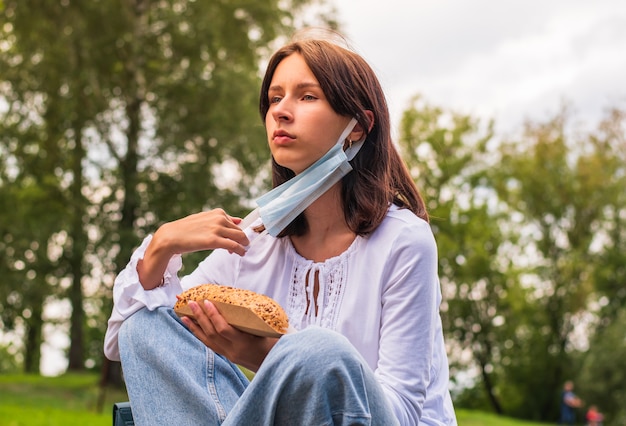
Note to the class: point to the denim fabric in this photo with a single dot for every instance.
(171, 377)
(312, 377)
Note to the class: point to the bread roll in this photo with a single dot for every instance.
(264, 307)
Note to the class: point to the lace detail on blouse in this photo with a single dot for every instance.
(303, 307)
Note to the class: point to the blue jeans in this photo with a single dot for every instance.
(312, 377)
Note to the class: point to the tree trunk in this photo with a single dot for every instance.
(77, 348)
(489, 388)
(111, 373)
(32, 342)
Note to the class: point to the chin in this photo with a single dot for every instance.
(289, 164)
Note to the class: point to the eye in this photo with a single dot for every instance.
(309, 98)
(275, 99)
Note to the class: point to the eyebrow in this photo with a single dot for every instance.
(299, 86)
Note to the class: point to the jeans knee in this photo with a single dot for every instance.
(129, 330)
(316, 346)
(137, 331)
(322, 340)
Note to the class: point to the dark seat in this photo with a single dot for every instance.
(122, 414)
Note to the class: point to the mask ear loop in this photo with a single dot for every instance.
(352, 150)
(249, 219)
(353, 146)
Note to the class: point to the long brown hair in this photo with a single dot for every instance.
(379, 175)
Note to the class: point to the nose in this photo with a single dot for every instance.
(281, 111)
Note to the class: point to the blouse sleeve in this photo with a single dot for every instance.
(129, 296)
(410, 323)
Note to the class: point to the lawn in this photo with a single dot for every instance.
(69, 400)
(477, 418)
(72, 400)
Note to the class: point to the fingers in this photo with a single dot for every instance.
(208, 230)
(210, 326)
(238, 240)
(217, 322)
(226, 227)
(201, 327)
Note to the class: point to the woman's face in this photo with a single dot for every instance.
(300, 123)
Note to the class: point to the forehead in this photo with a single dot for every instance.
(292, 69)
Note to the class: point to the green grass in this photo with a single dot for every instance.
(477, 418)
(72, 400)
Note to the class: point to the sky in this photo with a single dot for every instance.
(506, 60)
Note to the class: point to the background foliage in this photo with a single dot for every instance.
(531, 242)
(116, 116)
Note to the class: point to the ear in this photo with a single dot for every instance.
(358, 133)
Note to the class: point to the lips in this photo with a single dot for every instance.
(281, 137)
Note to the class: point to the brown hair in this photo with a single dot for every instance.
(379, 175)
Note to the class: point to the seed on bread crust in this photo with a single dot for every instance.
(263, 306)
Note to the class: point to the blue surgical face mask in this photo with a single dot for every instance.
(279, 207)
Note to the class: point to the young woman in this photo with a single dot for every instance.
(356, 273)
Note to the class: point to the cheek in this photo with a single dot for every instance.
(268, 130)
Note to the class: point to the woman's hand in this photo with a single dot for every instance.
(209, 230)
(203, 231)
(239, 347)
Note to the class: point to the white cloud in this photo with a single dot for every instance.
(505, 60)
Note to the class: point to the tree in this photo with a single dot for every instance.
(448, 157)
(603, 373)
(609, 143)
(556, 183)
(530, 239)
(33, 141)
(133, 96)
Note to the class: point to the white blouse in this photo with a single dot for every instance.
(382, 293)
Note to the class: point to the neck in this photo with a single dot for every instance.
(328, 234)
(326, 213)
